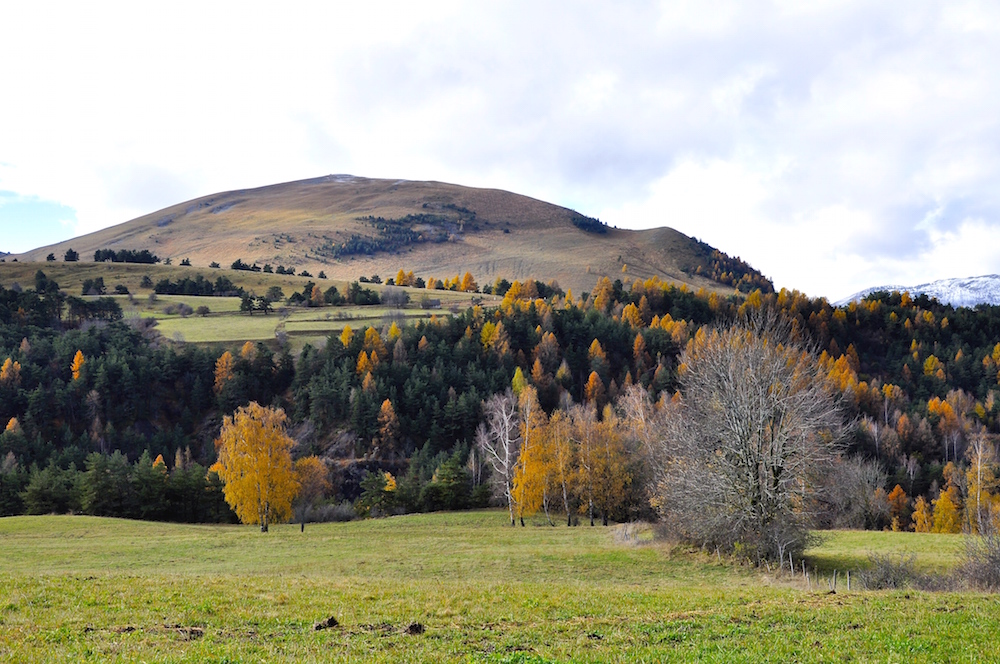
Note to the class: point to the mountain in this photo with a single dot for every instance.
(351, 226)
(965, 292)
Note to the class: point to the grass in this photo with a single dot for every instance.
(225, 324)
(87, 589)
(850, 549)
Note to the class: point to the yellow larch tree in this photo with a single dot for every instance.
(594, 392)
(346, 335)
(249, 351)
(373, 342)
(468, 284)
(532, 477)
(224, 368)
(394, 332)
(364, 364)
(947, 518)
(255, 465)
(631, 315)
(10, 372)
(77, 366)
(922, 518)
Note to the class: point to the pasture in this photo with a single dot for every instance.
(224, 324)
(450, 587)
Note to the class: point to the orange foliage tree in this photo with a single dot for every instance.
(255, 465)
(77, 366)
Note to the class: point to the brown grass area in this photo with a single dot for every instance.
(284, 224)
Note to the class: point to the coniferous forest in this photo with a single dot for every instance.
(103, 416)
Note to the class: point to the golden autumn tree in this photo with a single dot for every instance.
(224, 368)
(468, 284)
(532, 475)
(373, 342)
(10, 372)
(364, 364)
(249, 351)
(922, 518)
(947, 518)
(594, 392)
(346, 336)
(898, 504)
(77, 366)
(631, 315)
(255, 465)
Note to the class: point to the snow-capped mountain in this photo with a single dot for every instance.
(967, 292)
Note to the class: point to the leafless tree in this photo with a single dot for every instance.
(744, 449)
(852, 492)
(499, 440)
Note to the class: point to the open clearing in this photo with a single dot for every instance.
(89, 589)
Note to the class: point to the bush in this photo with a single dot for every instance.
(889, 572)
(980, 566)
(325, 513)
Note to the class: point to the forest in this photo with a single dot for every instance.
(400, 413)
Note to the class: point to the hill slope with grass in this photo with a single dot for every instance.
(350, 226)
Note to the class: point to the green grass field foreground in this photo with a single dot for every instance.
(450, 587)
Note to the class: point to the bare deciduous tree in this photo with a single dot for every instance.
(499, 440)
(745, 447)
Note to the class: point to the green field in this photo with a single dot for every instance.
(225, 324)
(89, 589)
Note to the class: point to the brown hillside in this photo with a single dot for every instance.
(300, 225)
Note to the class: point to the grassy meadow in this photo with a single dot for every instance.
(225, 324)
(78, 588)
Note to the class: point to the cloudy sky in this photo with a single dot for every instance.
(833, 145)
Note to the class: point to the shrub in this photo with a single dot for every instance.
(888, 572)
(980, 566)
(342, 512)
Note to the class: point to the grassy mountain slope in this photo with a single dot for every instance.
(488, 232)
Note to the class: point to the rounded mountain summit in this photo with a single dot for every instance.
(351, 226)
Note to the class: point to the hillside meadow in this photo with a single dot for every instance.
(451, 587)
(225, 324)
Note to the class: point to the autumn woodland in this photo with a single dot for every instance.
(742, 425)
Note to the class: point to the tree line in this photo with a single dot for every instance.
(919, 377)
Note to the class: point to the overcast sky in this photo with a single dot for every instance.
(832, 145)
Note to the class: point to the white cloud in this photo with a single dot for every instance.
(811, 139)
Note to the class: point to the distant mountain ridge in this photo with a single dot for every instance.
(958, 292)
